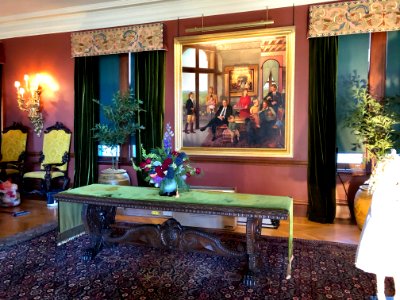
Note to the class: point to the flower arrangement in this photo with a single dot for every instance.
(165, 166)
(8, 194)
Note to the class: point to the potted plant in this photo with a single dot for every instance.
(373, 123)
(122, 118)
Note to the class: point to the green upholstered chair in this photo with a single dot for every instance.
(13, 147)
(54, 159)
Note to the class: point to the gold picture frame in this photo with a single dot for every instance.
(240, 78)
(205, 64)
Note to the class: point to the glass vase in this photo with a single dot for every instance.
(168, 187)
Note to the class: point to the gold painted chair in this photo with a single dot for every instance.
(13, 147)
(54, 159)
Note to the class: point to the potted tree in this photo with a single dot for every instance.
(373, 123)
(122, 118)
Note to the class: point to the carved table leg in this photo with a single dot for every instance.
(172, 235)
(253, 231)
(97, 220)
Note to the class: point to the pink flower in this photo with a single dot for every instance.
(148, 161)
(6, 185)
(11, 194)
(198, 171)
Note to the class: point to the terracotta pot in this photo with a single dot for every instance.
(114, 177)
(362, 202)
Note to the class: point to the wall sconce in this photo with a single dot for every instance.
(29, 100)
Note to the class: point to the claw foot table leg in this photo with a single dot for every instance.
(253, 231)
(97, 220)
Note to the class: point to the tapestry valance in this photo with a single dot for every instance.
(354, 17)
(135, 38)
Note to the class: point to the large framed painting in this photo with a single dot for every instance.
(234, 93)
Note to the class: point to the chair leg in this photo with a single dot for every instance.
(47, 181)
(66, 183)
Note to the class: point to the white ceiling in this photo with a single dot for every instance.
(15, 7)
(33, 17)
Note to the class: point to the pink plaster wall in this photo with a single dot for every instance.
(37, 54)
(51, 53)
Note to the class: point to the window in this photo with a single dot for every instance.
(270, 75)
(353, 65)
(107, 151)
(199, 75)
(393, 64)
(353, 72)
(110, 82)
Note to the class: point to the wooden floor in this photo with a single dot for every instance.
(341, 231)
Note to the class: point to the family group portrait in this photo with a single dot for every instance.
(233, 94)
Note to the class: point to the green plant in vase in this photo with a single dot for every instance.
(122, 118)
(373, 123)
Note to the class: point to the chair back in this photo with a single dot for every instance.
(56, 145)
(13, 142)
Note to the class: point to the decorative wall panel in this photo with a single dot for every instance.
(354, 17)
(118, 40)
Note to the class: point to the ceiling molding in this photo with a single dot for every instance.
(125, 12)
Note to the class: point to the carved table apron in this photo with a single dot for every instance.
(99, 208)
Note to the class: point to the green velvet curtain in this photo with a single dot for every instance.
(150, 88)
(86, 116)
(322, 129)
(86, 113)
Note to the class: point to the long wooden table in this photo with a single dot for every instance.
(99, 208)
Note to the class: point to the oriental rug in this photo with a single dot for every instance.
(39, 269)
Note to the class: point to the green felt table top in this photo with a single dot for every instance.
(191, 197)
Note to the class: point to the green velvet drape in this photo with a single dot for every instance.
(322, 129)
(150, 88)
(86, 114)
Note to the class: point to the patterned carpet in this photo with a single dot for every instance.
(38, 269)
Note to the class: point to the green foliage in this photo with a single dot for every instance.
(121, 115)
(373, 123)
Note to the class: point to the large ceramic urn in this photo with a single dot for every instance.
(114, 177)
(362, 202)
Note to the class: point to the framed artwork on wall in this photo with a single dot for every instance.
(240, 78)
(228, 101)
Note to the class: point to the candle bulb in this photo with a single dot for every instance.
(26, 78)
(38, 78)
(22, 91)
(17, 84)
